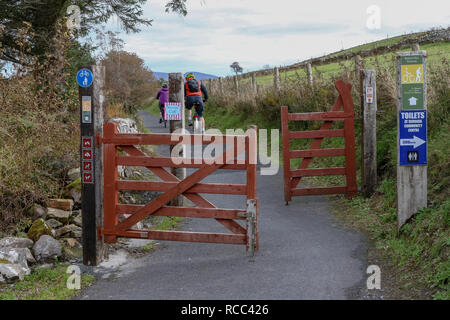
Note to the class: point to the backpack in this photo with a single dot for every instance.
(193, 85)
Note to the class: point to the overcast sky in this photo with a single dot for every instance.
(216, 33)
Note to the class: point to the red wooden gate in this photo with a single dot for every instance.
(171, 187)
(293, 177)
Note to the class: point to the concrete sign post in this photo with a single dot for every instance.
(411, 134)
(90, 80)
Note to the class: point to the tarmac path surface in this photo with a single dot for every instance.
(303, 253)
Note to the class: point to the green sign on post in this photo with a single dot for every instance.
(412, 80)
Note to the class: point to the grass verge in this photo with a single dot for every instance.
(44, 284)
(417, 255)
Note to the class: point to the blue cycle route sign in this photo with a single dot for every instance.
(85, 78)
(413, 137)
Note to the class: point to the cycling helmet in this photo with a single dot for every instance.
(190, 75)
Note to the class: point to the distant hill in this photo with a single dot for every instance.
(198, 75)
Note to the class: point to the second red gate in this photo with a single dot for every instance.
(292, 177)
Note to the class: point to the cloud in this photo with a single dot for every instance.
(217, 32)
(283, 30)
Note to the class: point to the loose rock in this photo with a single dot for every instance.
(39, 228)
(70, 242)
(28, 255)
(67, 231)
(78, 221)
(16, 256)
(72, 253)
(74, 174)
(46, 249)
(60, 215)
(37, 211)
(62, 204)
(76, 195)
(13, 242)
(10, 272)
(53, 223)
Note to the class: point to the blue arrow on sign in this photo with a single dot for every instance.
(85, 78)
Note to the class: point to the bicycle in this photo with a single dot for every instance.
(162, 121)
(197, 124)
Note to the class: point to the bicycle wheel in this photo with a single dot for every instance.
(197, 126)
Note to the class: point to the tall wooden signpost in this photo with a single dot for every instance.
(369, 131)
(90, 80)
(411, 134)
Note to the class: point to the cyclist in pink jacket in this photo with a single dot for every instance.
(163, 96)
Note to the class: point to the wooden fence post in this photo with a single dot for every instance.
(221, 86)
(276, 78)
(254, 83)
(358, 66)
(209, 84)
(369, 132)
(91, 80)
(411, 146)
(236, 85)
(176, 94)
(309, 74)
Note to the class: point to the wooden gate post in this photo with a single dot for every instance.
(286, 158)
(369, 132)
(252, 202)
(91, 81)
(176, 94)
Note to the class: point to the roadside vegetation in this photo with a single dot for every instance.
(421, 248)
(39, 132)
(45, 284)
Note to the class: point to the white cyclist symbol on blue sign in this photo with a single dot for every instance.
(85, 78)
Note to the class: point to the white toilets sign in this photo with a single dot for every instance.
(413, 137)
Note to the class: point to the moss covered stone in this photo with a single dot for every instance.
(39, 228)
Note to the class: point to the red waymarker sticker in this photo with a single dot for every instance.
(87, 166)
(87, 177)
(87, 142)
(87, 154)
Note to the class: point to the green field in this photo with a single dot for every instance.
(435, 51)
